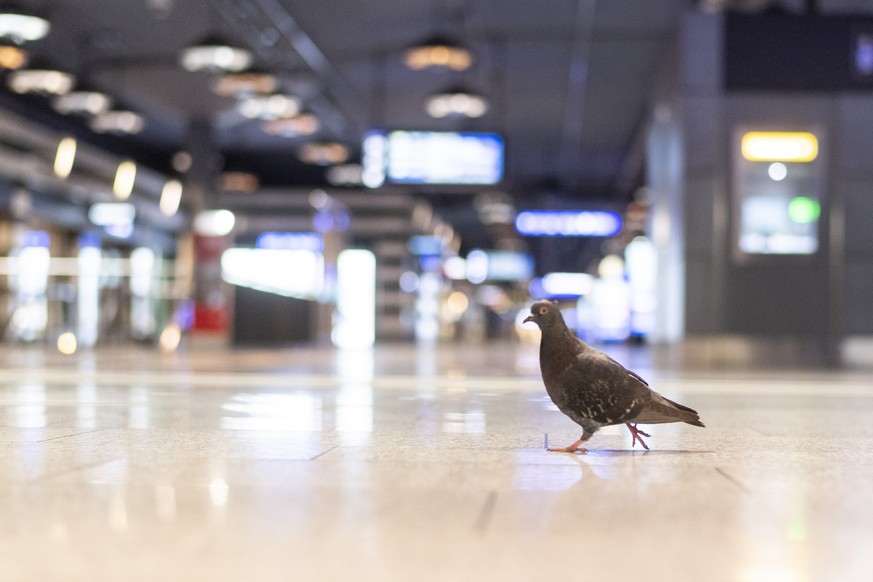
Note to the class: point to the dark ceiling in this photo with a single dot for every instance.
(568, 80)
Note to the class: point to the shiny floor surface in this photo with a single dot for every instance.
(420, 464)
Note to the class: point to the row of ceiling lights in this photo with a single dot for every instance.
(255, 91)
(257, 97)
(457, 101)
(18, 28)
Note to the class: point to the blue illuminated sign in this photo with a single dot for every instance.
(290, 241)
(35, 238)
(568, 223)
(432, 157)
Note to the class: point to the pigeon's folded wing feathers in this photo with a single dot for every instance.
(603, 389)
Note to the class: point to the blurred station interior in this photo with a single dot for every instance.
(690, 179)
(665, 170)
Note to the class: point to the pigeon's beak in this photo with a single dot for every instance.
(528, 318)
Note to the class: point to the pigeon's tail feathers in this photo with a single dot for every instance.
(694, 421)
(660, 410)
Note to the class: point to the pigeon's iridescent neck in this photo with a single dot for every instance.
(558, 348)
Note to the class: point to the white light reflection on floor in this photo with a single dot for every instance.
(464, 422)
(354, 400)
(140, 411)
(29, 407)
(354, 408)
(86, 411)
(271, 411)
(218, 492)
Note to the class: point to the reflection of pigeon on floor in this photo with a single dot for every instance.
(593, 389)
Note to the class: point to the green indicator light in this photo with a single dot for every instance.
(804, 210)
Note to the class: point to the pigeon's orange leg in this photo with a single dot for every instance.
(572, 448)
(635, 433)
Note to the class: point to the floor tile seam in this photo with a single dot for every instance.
(736, 482)
(75, 434)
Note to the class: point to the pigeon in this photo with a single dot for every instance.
(593, 389)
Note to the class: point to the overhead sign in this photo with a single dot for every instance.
(568, 223)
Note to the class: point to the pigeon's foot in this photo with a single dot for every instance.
(635, 433)
(574, 448)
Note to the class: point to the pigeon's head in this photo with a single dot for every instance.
(544, 314)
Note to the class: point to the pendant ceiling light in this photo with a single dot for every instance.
(82, 102)
(12, 56)
(439, 52)
(268, 107)
(117, 122)
(20, 27)
(44, 81)
(324, 153)
(246, 84)
(456, 102)
(295, 126)
(214, 54)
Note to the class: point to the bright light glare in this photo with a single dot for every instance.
(171, 196)
(65, 157)
(804, 210)
(67, 343)
(22, 27)
(214, 222)
(142, 264)
(777, 171)
(477, 266)
(112, 213)
(779, 146)
(124, 179)
(355, 322)
(289, 273)
(88, 294)
(457, 303)
(170, 338)
(611, 267)
(455, 268)
(567, 284)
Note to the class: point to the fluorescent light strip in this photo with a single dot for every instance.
(779, 146)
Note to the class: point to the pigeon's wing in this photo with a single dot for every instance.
(599, 388)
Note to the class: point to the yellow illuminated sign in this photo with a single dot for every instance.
(779, 146)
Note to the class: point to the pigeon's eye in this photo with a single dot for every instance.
(544, 310)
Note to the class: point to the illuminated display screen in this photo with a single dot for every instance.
(290, 241)
(568, 223)
(778, 189)
(430, 157)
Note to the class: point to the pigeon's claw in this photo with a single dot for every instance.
(575, 447)
(635, 433)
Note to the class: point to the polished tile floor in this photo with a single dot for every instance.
(422, 464)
